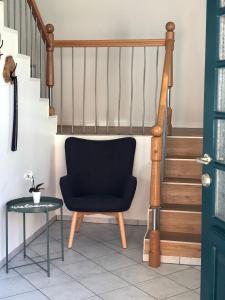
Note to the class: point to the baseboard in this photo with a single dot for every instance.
(30, 239)
(176, 260)
(105, 220)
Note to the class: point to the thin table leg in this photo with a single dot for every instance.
(24, 235)
(6, 242)
(62, 242)
(48, 256)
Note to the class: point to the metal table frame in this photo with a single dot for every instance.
(46, 211)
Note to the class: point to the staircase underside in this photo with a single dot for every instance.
(181, 198)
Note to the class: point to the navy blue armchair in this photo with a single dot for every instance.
(99, 180)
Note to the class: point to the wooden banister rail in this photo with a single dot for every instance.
(157, 147)
(110, 43)
(47, 34)
(40, 23)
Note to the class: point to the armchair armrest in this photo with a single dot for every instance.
(130, 189)
(66, 186)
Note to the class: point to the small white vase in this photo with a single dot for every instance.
(36, 197)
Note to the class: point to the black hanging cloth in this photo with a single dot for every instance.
(15, 114)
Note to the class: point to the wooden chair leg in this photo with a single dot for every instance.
(79, 222)
(72, 229)
(122, 230)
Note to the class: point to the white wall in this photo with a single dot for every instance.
(142, 167)
(100, 19)
(35, 142)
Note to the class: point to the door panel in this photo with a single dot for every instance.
(213, 216)
(220, 142)
(219, 274)
(221, 90)
(220, 195)
(222, 37)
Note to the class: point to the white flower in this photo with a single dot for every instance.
(28, 175)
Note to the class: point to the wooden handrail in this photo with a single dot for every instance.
(167, 77)
(40, 23)
(110, 43)
(47, 34)
(157, 146)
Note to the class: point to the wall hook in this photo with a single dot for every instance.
(1, 46)
(9, 69)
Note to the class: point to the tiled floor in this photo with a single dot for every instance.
(97, 268)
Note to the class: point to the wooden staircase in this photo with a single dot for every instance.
(181, 196)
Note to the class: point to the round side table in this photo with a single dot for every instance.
(26, 205)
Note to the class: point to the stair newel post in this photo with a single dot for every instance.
(155, 201)
(50, 66)
(170, 38)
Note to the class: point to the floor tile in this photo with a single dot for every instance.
(127, 293)
(186, 296)
(135, 273)
(70, 257)
(116, 244)
(55, 247)
(88, 228)
(93, 298)
(32, 268)
(83, 242)
(28, 269)
(114, 261)
(19, 258)
(161, 288)
(135, 254)
(82, 269)
(136, 232)
(4, 275)
(36, 295)
(13, 286)
(94, 251)
(103, 235)
(40, 279)
(41, 239)
(190, 278)
(72, 290)
(104, 282)
(97, 264)
(166, 269)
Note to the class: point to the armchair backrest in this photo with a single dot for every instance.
(99, 167)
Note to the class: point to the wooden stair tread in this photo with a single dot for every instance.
(181, 207)
(180, 237)
(182, 181)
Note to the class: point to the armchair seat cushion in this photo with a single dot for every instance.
(97, 203)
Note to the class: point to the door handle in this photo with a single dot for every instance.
(206, 180)
(204, 160)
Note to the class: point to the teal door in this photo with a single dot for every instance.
(213, 232)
